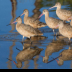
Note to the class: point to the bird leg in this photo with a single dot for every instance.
(69, 48)
(69, 41)
(58, 34)
(23, 39)
(30, 41)
(54, 38)
(23, 48)
(64, 21)
(54, 32)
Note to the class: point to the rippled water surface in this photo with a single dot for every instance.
(48, 45)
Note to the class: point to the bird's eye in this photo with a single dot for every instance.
(24, 11)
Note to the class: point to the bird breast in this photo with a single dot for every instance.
(61, 15)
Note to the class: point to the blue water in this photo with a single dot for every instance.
(9, 40)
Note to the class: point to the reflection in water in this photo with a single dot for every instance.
(26, 45)
(54, 46)
(35, 41)
(31, 50)
(71, 65)
(66, 55)
(64, 38)
(67, 4)
(35, 62)
(21, 1)
(26, 65)
(10, 56)
(36, 10)
(26, 54)
(14, 4)
(50, 3)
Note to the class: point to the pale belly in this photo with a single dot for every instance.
(61, 16)
(29, 23)
(20, 31)
(26, 22)
(65, 33)
(51, 24)
(25, 33)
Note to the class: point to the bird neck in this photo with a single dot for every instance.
(19, 23)
(46, 56)
(60, 61)
(26, 15)
(59, 7)
(19, 64)
(61, 26)
(46, 16)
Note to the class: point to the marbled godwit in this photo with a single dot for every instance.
(31, 21)
(26, 54)
(66, 55)
(61, 13)
(26, 30)
(51, 22)
(65, 29)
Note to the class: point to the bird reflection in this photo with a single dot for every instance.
(10, 56)
(27, 54)
(14, 4)
(35, 61)
(26, 64)
(62, 38)
(54, 46)
(66, 55)
(71, 65)
(35, 41)
(36, 10)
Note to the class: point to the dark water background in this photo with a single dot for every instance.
(10, 39)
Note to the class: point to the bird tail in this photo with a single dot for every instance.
(41, 49)
(40, 34)
(41, 24)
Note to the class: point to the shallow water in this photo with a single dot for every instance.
(10, 39)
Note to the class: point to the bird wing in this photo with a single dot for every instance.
(55, 20)
(30, 29)
(33, 20)
(66, 12)
(68, 27)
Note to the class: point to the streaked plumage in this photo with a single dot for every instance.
(31, 21)
(61, 13)
(26, 30)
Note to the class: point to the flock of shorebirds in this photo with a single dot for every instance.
(31, 25)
